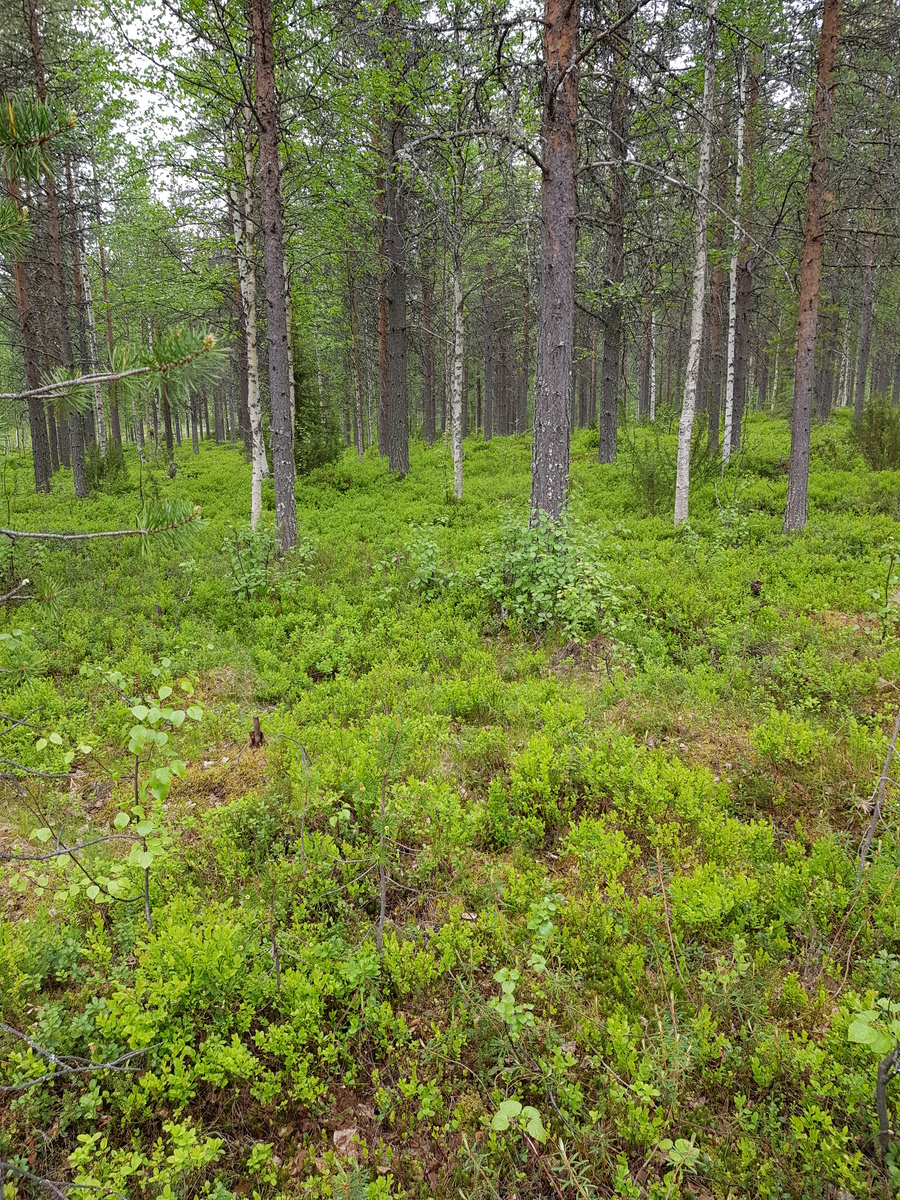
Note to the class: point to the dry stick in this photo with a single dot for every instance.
(887, 1069)
(61, 387)
(668, 926)
(55, 1185)
(15, 534)
(382, 874)
(14, 592)
(878, 797)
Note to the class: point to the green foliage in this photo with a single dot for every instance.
(785, 739)
(877, 434)
(548, 576)
(620, 873)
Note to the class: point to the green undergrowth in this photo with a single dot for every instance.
(613, 779)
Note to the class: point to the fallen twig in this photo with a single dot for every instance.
(878, 798)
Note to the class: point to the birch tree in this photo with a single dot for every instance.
(698, 290)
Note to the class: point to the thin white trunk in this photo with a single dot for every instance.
(652, 365)
(775, 383)
(732, 290)
(689, 404)
(844, 385)
(242, 210)
(456, 378)
(99, 414)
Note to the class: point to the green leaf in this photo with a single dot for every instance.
(195, 712)
(186, 686)
(177, 717)
(55, 739)
(145, 860)
(141, 711)
(40, 744)
(121, 820)
(93, 892)
(164, 692)
(41, 835)
(144, 828)
(507, 1112)
(534, 1126)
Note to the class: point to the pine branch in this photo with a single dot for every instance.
(15, 534)
(62, 387)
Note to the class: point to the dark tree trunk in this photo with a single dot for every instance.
(643, 397)
(615, 249)
(559, 233)
(242, 367)
(828, 355)
(716, 311)
(741, 350)
(358, 423)
(279, 355)
(395, 252)
(866, 313)
(429, 431)
(40, 443)
(490, 351)
(811, 273)
(167, 421)
(526, 355)
(195, 424)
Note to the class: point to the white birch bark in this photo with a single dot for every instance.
(844, 385)
(242, 210)
(775, 383)
(456, 377)
(732, 288)
(99, 414)
(689, 403)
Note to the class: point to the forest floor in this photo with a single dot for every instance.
(611, 786)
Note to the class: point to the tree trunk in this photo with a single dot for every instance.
(359, 428)
(115, 426)
(825, 380)
(716, 303)
(167, 420)
(490, 351)
(384, 371)
(456, 377)
(866, 313)
(652, 364)
(245, 249)
(63, 333)
(87, 336)
(395, 252)
(738, 238)
(526, 351)
(615, 248)
(559, 234)
(273, 254)
(242, 368)
(811, 273)
(40, 443)
(643, 397)
(742, 351)
(429, 431)
(686, 423)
